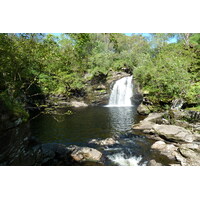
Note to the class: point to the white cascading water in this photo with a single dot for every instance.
(120, 160)
(122, 92)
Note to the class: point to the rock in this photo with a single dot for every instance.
(158, 145)
(177, 114)
(154, 163)
(173, 133)
(188, 153)
(145, 126)
(197, 137)
(154, 117)
(196, 127)
(192, 158)
(60, 149)
(81, 154)
(190, 146)
(143, 109)
(180, 159)
(106, 142)
(78, 104)
(178, 165)
(181, 123)
(165, 149)
(114, 76)
(148, 123)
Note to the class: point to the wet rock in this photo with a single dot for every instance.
(173, 133)
(78, 104)
(143, 109)
(106, 142)
(56, 148)
(81, 154)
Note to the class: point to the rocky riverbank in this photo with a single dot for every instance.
(177, 135)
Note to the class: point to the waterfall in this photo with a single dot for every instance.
(122, 92)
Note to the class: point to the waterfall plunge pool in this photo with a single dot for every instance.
(89, 123)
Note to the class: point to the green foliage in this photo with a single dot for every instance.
(193, 94)
(60, 65)
(197, 108)
(167, 75)
(13, 106)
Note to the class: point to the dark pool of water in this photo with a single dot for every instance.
(83, 124)
(89, 123)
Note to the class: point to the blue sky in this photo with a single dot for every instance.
(129, 34)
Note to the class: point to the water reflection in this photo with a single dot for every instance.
(121, 118)
(83, 125)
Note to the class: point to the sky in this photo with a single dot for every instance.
(173, 40)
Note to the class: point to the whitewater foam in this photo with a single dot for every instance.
(120, 159)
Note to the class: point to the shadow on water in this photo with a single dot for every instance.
(83, 125)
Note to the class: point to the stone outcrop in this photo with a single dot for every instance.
(178, 140)
(173, 133)
(143, 109)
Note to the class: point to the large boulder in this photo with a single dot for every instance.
(168, 150)
(143, 109)
(81, 154)
(173, 133)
